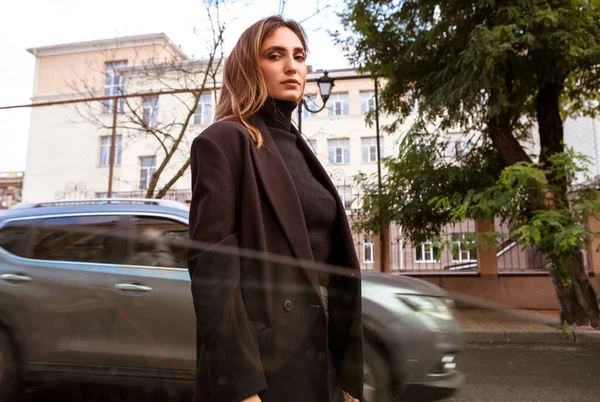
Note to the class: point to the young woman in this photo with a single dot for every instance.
(269, 331)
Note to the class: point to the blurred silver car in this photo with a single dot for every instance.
(98, 291)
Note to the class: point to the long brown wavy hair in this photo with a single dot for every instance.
(244, 89)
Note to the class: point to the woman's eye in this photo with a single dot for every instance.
(273, 57)
(300, 57)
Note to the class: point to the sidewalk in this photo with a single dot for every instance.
(509, 325)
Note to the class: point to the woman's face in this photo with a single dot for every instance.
(283, 63)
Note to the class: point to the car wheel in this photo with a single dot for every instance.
(9, 373)
(377, 385)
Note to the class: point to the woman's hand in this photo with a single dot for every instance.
(253, 398)
(349, 398)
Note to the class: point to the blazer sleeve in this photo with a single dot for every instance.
(229, 365)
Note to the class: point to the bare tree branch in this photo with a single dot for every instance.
(169, 132)
(319, 10)
(282, 4)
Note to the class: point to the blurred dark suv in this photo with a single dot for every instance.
(98, 290)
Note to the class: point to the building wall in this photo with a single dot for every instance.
(65, 149)
(582, 134)
(64, 143)
(65, 73)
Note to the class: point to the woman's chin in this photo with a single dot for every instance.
(292, 97)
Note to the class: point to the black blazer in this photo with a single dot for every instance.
(261, 327)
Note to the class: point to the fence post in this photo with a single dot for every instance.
(378, 249)
(487, 259)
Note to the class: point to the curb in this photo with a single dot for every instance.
(531, 337)
(586, 336)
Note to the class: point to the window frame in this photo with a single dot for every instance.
(371, 148)
(112, 89)
(124, 215)
(205, 111)
(347, 203)
(150, 104)
(118, 150)
(366, 105)
(150, 170)
(457, 242)
(370, 244)
(333, 102)
(23, 243)
(145, 216)
(433, 245)
(335, 148)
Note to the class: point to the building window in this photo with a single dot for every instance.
(369, 149)
(114, 84)
(313, 145)
(345, 193)
(427, 252)
(456, 148)
(148, 168)
(339, 151)
(105, 150)
(204, 111)
(150, 114)
(368, 251)
(367, 101)
(463, 248)
(311, 101)
(338, 105)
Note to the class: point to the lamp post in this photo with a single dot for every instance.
(325, 83)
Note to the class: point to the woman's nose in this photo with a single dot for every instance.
(290, 66)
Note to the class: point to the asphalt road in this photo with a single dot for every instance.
(530, 373)
(495, 373)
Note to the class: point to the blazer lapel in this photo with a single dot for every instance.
(282, 194)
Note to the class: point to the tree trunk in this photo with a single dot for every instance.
(505, 143)
(549, 120)
(163, 191)
(578, 299)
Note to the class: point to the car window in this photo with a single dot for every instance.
(12, 235)
(90, 239)
(158, 241)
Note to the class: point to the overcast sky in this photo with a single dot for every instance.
(34, 23)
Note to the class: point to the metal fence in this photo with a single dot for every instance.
(456, 251)
(453, 251)
(514, 257)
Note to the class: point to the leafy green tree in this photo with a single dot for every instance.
(511, 70)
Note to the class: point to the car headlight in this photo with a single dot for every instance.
(431, 306)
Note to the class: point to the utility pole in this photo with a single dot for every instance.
(382, 238)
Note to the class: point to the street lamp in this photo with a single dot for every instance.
(325, 83)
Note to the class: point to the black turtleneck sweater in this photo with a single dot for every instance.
(318, 204)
